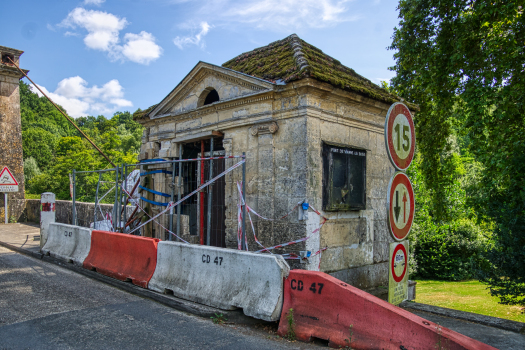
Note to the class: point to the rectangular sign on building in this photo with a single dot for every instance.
(8, 182)
(398, 273)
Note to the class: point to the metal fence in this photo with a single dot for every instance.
(180, 199)
(100, 186)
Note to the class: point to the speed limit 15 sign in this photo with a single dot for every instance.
(400, 136)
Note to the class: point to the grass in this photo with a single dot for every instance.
(32, 196)
(471, 296)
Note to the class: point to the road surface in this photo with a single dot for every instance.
(44, 306)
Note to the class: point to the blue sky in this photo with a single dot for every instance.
(102, 56)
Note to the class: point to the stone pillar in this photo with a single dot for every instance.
(47, 215)
(10, 126)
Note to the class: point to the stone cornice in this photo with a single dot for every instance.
(11, 71)
(201, 71)
(325, 90)
(269, 116)
(11, 50)
(204, 110)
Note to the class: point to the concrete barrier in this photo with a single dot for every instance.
(122, 256)
(222, 278)
(321, 306)
(68, 242)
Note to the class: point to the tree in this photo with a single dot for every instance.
(40, 145)
(462, 62)
(30, 169)
(53, 148)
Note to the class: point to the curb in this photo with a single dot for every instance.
(235, 316)
(508, 325)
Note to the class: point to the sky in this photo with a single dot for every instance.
(97, 57)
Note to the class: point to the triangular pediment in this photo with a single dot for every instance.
(188, 94)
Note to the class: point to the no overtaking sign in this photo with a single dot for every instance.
(401, 206)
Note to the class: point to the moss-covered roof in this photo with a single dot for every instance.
(293, 59)
(140, 114)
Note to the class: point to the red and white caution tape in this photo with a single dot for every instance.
(283, 244)
(249, 209)
(251, 222)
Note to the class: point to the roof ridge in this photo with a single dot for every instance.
(298, 53)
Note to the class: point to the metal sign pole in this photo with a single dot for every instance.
(170, 238)
(74, 211)
(210, 173)
(243, 246)
(115, 206)
(125, 167)
(5, 207)
(179, 186)
(96, 203)
(120, 207)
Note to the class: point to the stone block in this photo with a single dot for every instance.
(364, 277)
(190, 124)
(381, 251)
(332, 259)
(359, 138)
(358, 255)
(299, 157)
(337, 133)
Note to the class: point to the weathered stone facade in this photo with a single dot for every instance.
(10, 129)
(282, 128)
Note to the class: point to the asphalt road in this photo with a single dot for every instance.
(44, 306)
(498, 338)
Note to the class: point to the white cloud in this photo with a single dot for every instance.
(80, 100)
(68, 33)
(197, 39)
(103, 34)
(102, 27)
(281, 15)
(141, 48)
(94, 2)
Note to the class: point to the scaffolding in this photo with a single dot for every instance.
(189, 207)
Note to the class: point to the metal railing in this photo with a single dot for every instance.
(194, 189)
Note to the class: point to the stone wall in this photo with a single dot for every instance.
(357, 240)
(63, 211)
(11, 131)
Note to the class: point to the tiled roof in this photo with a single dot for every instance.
(293, 59)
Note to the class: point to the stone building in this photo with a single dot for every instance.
(10, 129)
(312, 129)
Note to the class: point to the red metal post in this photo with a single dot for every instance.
(201, 211)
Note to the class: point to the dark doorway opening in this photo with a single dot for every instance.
(191, 179)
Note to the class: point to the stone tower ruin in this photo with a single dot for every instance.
(10, 129)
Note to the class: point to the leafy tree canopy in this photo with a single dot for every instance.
(53, 148)
(462, 62)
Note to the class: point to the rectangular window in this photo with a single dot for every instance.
(344, 178)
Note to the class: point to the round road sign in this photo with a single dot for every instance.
(400, 136)
(399, 262)
(401, 205)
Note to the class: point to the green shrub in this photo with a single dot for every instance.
(453, 251)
